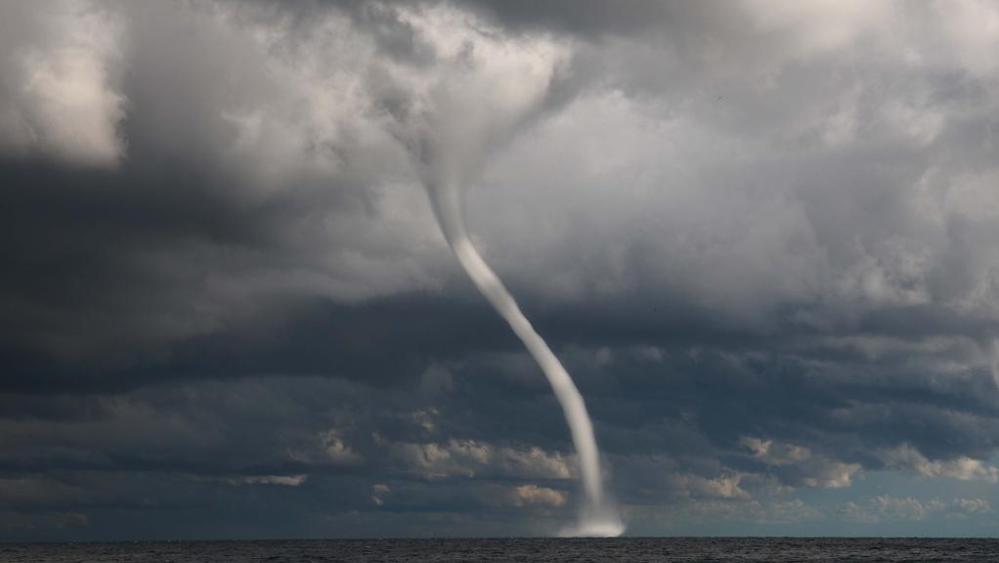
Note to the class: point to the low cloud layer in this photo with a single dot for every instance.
(759, 234)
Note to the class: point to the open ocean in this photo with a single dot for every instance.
(575, 550)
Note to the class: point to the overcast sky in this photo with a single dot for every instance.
(762, 235)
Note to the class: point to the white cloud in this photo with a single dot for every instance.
(820, 25)
(724, 486)
(962, 468)
(533, 495)
(379, 492)
(61, 80)
(890, 508)
(971, 29)
(336, 449)
(470, 458)
(817, 471)
(973, 505)
(775, 453)
(281, 480)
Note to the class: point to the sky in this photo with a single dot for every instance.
(760, 234)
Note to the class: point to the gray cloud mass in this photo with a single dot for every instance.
(760, 234)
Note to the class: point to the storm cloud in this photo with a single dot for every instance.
(760, 234)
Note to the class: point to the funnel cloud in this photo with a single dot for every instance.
(478, 106)
(598, 516)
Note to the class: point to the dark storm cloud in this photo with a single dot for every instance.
(175, 241)
(760, 235)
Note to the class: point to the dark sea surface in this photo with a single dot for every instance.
(575, 550)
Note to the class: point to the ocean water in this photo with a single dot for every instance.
(548, 550)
